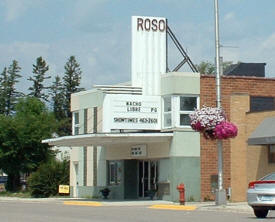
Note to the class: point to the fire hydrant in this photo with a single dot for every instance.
(181, 190)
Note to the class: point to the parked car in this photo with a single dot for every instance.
(261, 195)
(3, 179)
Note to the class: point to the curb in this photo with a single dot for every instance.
(173, 207)
(83, 203)
(241, 207)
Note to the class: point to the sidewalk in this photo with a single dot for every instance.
(155, 204)
(239, 207)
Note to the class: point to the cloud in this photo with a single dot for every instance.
(22, 50)
(99, 35)
(256, 49)
(16, 8)
(229, 16)
(103, 60)
(269, 43)
(197, 40)
(91, 15)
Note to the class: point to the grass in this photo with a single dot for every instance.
(21, 194)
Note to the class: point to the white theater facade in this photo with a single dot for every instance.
(135, 137)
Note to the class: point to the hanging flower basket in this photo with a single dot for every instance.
(226, 130)
(211, 122)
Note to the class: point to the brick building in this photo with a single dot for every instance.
(239, 94)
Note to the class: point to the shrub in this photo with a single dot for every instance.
(45, 181)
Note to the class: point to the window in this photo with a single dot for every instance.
(187, 105)
(167, 111)
(114, 172)
(176, 110)
(271, 153)
(260, 103)
(85, 121)
(76, 124)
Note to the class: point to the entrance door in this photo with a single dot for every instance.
(148, 176)
(130, 179)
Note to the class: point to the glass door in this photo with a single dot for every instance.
(148, 176)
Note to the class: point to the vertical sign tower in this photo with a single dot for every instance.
(148, 52)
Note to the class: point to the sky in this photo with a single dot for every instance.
(98, 34)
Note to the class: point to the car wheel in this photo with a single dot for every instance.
(260, 213)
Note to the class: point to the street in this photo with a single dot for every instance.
(21, 211)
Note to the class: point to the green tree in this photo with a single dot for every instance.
(3, 90)
(58, 103)
(21, 150)
(71, 80)
(58, 98)
(39, 76)
(206, 67)
(226, 64)
(209, 68)
(10, 94)
(8, 154)
(45, 181)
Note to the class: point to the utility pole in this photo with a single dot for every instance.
(220, 193)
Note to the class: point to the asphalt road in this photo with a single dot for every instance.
(12, 211)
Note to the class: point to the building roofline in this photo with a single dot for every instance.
(239, 77)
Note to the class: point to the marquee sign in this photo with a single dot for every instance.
(132, 112)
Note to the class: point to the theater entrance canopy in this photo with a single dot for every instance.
(101, 139)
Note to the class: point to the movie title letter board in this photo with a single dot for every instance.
(132, 112)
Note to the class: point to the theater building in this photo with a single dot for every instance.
(135, 138)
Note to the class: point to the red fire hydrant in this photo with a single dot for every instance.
(181, 190)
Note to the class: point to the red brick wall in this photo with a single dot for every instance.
(250, 85)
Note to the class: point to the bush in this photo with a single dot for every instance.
(45, 181)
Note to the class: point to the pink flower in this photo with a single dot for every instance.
(197, 126)
(211, 122)
(226, 130)
(207, 117)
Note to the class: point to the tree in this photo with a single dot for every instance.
(3, 90)
(21, 150)
(39, 76)
(71, 80)
(58, 103)
(9, 95)
(57, 93)
(206, 68)
(226, 64)
(8, 154)
(209, 68)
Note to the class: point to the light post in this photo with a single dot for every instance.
(220, 193)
